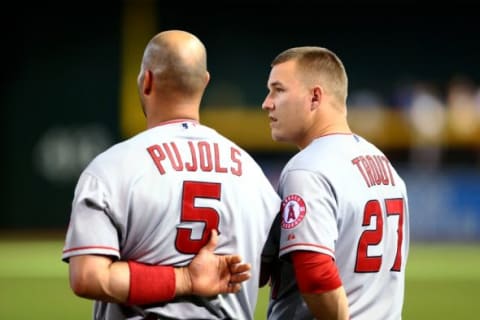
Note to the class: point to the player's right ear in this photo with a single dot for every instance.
(207, 78)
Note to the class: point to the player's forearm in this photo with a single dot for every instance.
(331, 305)
(98, 278)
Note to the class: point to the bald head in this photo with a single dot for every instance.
(178, 62)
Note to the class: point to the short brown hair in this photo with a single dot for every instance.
(318, 62)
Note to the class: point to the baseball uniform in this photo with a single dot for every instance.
(342, 197)
(154, 199)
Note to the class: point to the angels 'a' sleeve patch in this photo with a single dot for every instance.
(293, 211)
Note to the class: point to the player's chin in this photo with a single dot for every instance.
(277, 136)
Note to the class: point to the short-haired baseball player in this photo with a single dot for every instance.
(147, 206)
(343, 233)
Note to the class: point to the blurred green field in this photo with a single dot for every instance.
(442, 283)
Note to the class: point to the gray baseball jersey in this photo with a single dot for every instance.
(342, 197)
(154, 199)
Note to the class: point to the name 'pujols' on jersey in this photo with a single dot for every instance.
(203, 156)
(375, 169)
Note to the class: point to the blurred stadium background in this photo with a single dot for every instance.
(69, 91)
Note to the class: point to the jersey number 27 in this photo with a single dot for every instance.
(366, 263)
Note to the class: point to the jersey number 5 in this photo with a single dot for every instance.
(366, 263)
(190, 213)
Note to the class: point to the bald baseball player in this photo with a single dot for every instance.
(142, 240)
(341, 246)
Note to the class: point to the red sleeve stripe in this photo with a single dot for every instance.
(90, 247)
(307, 245)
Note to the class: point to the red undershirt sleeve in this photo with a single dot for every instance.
(315, 272)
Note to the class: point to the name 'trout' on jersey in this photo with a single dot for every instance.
(342, 197)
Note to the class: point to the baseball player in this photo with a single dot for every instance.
(146, 207)
(341, 245)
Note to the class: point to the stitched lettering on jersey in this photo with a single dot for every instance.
(293, 211)
(202, 156)
(375, 169)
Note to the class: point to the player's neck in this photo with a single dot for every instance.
(161, 108)
(325, 129)
(158, 119)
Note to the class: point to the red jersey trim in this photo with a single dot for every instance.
(307, 245)
(90, 247)
(338, 134)
(177, 121)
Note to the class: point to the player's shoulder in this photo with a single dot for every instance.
(313, 157)
(114, 157)
(326, 153)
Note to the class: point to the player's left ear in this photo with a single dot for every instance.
(317, 93)
(147, 82)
